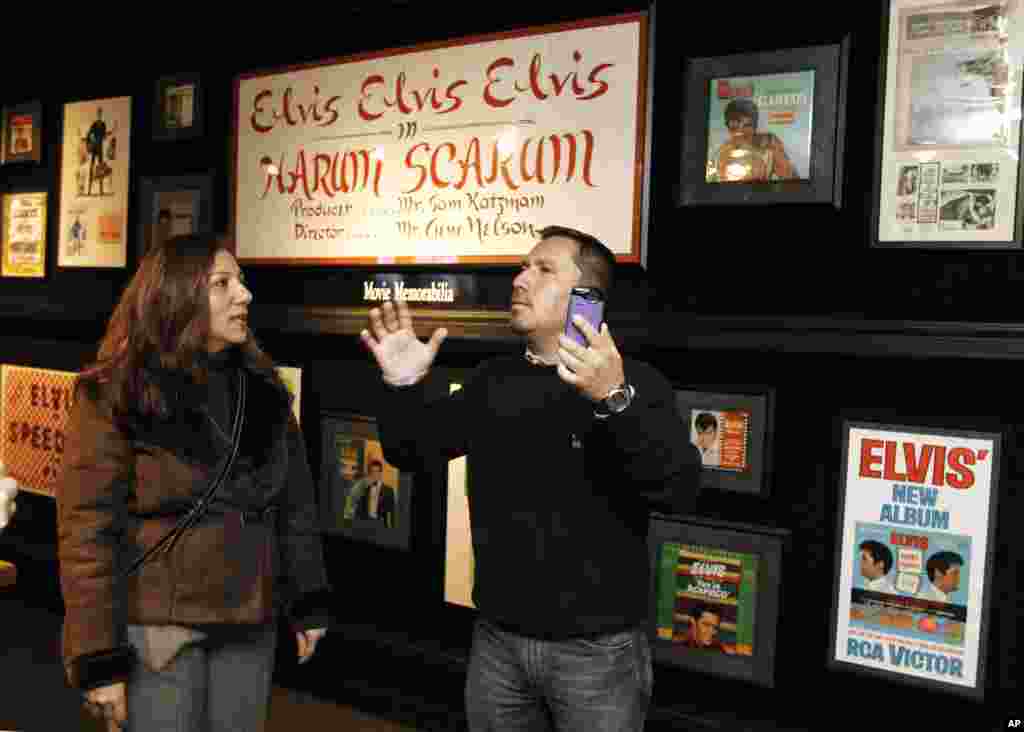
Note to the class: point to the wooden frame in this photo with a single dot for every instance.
(23, 234)
(730, 571)
(170, 205)
(21, 133)
(806, 89)
(178, 107)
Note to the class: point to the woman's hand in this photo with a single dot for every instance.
(307, 640)
(110, 704)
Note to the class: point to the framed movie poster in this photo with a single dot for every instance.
(292, 378)
(173, 205)
(21, 133)
(459, 564)
(715, 596)
(733, 433)
(94, 174)
(178, 107)
(23, 234)
(765, 127)
(913, 573)
(361, 495)
(948, 138)
(34, 413)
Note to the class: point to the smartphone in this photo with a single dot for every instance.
(588, 302)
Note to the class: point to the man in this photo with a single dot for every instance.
(944, 572)
(704, 628)
(570, 447)
(376, 499)
(750, 156)
(705, 427)
(875, 562)
(94, 139)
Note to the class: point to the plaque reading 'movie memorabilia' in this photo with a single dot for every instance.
(35, 410)
(23, 237)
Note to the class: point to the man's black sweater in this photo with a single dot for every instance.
(558, 498)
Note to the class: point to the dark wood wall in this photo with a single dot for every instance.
(790, 297)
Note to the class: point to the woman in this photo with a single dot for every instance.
(186, 640)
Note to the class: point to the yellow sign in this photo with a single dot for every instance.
(23, 237)
(34, 414)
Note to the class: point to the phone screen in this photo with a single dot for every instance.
(589, 303)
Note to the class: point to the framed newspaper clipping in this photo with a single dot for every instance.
(23, 234)
(21, 133)
(765, 127)
(948, 137)
(914, 558)
(715, 596)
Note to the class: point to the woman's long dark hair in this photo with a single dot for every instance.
(162, 323)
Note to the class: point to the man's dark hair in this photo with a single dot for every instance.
(942, 561)
(705, 421)
(595, 260)
(741, 107)
(879, 553)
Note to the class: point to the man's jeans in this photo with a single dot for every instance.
(596, 684)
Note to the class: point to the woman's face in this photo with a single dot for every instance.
(229, 304)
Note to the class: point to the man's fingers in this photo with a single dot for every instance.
(566, 375)
(377, 324)
(586, 328)
(404, 317)
(389, 316)
(436, 339)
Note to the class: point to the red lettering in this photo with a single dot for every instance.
(916, 542)
(961, 477)
(434, 177)
(258, 109)
(422, 169)
(452, 97)
(868, 458)
(370, 81)
(917, 470)
(602, 86)
(489, 98)
(890, 463)
(938, 471)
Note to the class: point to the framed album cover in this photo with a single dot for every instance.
(914, 555)
(178, 107)
(732, 428)
(361, 495)
(23, 234)
(21, 128)
(765, 127)
(173, 205)
(715, 596)
(948, 135)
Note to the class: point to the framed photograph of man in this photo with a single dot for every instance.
(173, 205)
(715, 596)
(361, 495)
(731, 426)
(178, 107)
(21, 133)
(765, 127)
(948, 135)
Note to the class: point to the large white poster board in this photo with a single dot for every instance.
(450, 153)
(916, 535)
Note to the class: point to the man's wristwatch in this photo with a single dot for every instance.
(616, 401)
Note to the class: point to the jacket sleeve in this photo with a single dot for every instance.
(308, 595)
(91, 491)
(416, 431)
(651, 445)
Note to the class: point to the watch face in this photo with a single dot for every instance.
(617, 400)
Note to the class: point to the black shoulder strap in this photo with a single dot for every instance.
(200, 507)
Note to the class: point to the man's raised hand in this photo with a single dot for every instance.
(403, 358)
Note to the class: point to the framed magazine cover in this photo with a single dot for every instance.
(948, 137)
(178, 107)
(915, 555)
(761, 128)
(21, 128)
(714, 599)
(173, 205)
(732, 427)
(361, 495)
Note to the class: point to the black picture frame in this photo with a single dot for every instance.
(340, 476)
(711, 538)
(828, 119)
(755, 407)
(8, 152)
(901, 602)
(933, 167)
(178, 107)
(179, 195)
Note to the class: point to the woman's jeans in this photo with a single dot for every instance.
(218, 684)
(594, 684)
